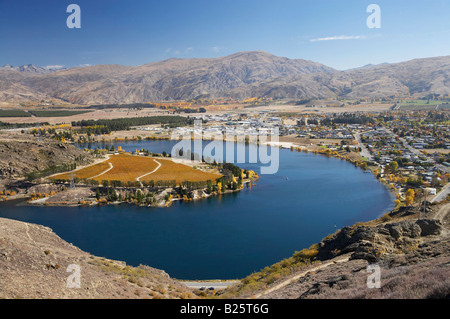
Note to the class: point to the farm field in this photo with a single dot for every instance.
(57, 113)
(170, 170)
(14, 113)
(86, 172)
(126, 168)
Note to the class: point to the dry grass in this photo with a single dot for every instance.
(418, 281)
(170, 171)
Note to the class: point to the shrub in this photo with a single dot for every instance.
(305, 254)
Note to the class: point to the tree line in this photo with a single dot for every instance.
(105, 126)
(348, 119)
(123, 106)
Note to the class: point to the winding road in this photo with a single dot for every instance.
(104, 172)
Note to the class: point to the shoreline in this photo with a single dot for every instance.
(43, 201)
(282, 145)
(223, 280)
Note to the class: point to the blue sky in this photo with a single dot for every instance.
(137, 32)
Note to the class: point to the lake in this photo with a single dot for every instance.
(228, 236)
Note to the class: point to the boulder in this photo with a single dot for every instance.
(403, 229)
(429, 227)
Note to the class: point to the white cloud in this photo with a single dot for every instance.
(340, 37)
(85, 65)
(215, 49)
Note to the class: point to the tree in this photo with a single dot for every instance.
(410, 193)
(209, 187)
(394, 166)
(435, 182)
(408, 201)
(363, 165)
(409, 197)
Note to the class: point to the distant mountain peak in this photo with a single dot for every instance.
(31, 68)
(369, 66)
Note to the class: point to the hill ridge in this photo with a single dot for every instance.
(240, 75)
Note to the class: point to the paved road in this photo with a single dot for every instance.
(442, 194)
(208, 284)
(364, 151)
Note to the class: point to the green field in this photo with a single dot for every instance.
(14, 113)
(422, 102)
(57, 113)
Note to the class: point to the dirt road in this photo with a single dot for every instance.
(298, 276)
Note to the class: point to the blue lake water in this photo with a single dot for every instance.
(228, 236)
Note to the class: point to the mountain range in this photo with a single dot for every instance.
(239, 76)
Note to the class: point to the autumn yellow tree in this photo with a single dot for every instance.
(410, 193)
(408, 201)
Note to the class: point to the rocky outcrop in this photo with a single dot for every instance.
(370, 243)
